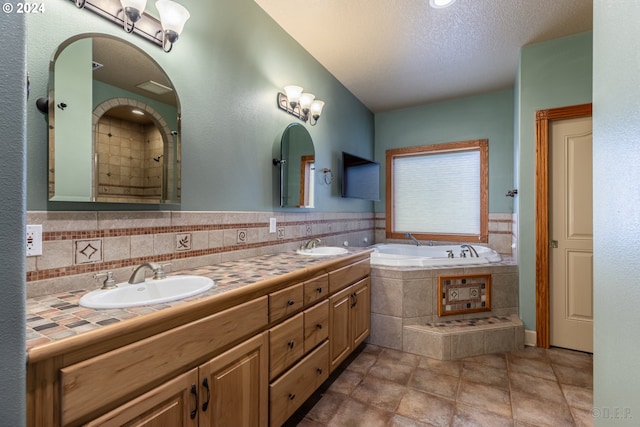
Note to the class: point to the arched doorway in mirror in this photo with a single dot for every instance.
(134, 153)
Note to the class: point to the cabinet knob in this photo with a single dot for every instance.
(292, 396)
(291, 344)
(319, 370)
(319, 290)
(319, 326)
(291, 302)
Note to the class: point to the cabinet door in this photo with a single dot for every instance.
(361, 311)
(174, 403)
(340, 343)
(234, 386)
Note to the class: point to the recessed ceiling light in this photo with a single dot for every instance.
(440, 4)
(138, 112)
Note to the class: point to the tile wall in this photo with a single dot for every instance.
(130, 160)
(76, 245)
(501, 232)
(402, 297)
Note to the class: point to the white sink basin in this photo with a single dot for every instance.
(149, 292)
(322, 251)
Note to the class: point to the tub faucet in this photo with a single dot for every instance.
(410, 236)
(138, 273)
(311, 244)
(472, 251)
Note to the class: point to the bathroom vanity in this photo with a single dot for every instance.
(247, 355)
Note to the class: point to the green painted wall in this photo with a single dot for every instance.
(12, 220)
(616, 156)
(72, 80)
(227, 68)
(476, 117)
(553, 74)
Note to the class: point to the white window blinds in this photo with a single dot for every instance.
(437, 193)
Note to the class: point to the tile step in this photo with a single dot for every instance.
(458, 339)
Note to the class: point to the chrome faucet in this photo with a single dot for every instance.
(138, 273)
(311, 244)
(410, 236)
(472, 251)
(109, 282)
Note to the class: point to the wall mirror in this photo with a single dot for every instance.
(114, 125)
(297, 167)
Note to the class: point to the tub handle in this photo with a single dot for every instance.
(449, 254)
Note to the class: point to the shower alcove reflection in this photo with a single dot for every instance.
(134, 153)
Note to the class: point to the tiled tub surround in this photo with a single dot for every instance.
(76, 245)
(58, 316)
(404, 313)
(501, 233)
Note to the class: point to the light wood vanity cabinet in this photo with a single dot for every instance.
(252, 362)
(349, 320)
(229, 390)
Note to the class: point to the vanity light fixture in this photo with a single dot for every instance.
(130, 15)
(300, 104)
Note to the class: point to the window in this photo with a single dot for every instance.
(439, 192)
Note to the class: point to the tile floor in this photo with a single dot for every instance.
(525, 388)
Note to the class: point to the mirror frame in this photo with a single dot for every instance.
(171, 179)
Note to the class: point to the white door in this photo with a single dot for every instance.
(571, 234)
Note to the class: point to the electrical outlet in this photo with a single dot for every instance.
(34, 240)
(272, 225)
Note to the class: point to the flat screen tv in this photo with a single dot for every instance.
(360, 178)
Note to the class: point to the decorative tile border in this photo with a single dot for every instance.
(99, 241)
(464, 294)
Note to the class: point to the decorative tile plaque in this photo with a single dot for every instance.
(464, 294)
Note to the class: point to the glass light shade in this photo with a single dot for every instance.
(139, 5)
(293, 94)
(440, 4)
(305, 101)
(172, 16)
(133, 8)
(316, 108)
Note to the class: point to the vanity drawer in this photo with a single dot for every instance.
(293, 388)
(286, 301)
(316, 325)
(114, 376)
(345, 276)
(315, 289)
(285, 345)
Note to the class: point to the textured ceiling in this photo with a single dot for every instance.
(398, 53)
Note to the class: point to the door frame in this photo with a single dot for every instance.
(543, 119)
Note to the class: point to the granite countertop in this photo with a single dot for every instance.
(58, 316)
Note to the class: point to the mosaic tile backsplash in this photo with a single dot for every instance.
(77, 245)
